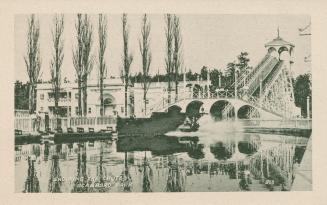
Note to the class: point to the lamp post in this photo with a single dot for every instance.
(219, 80)
(235, 83)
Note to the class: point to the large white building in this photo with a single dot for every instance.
(68, 103)
(114, 98)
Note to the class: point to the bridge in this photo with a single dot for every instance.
(264, 92)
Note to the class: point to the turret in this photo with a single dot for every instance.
(280, 48)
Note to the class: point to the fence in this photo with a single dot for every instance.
(27, 124)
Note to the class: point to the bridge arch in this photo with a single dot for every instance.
(248, 112)
(222, 109)
(193, 108)
(273, 52)
(174, 108)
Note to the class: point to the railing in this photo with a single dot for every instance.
(256, 71)
(27, 124)
(291, 123)
(272, 77)
(246, 76)
(255, 82)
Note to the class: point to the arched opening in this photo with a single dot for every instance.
(109, 105)
(193, 109)
(271, 49)
(284, 53)
(174, 109)
(248, 112)
(273, 52)
(197, 91)
(222, 110)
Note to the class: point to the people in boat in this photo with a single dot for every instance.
(187, 121)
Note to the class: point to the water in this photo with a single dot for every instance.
(206, 160)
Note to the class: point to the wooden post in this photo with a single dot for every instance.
(236, 169)
(267, 158)
(261, 167)
(308, 107)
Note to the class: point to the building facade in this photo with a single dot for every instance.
(114, 100)
(114, 97)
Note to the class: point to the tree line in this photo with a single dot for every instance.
(84, 58)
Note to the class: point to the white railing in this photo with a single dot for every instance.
(27, 124)
(291, 123)
(23, 123)
(274, 76)
(255, 82)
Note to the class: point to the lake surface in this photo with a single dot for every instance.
(217, 157)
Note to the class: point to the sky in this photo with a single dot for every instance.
(207, 40)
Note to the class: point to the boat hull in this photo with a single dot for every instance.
(158, 124)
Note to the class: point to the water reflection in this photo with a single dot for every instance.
(32, 182)
(200, 161)
(55, 180)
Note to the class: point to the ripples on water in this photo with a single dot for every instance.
(206, 160)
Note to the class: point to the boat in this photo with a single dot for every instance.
(158, 124)
(189, 126)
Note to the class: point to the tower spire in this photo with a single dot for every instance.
(278, 32)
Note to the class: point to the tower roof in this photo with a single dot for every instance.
(278, 41)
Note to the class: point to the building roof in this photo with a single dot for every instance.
(278, 42)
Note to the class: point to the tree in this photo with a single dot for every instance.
(102, 30)
(215, 75)
(127, 58)
(230, 72)
(190, 76)
(177, 61)
(33, 59)
(77, 60)
(144, 43)
(302, 89)
(82, 59)
(56, 61)
(169, 51)
(87, 60)
(204, 73)
(21, 95)
(243, 61)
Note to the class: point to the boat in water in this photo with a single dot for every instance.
(189, 125)
(158, 124)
